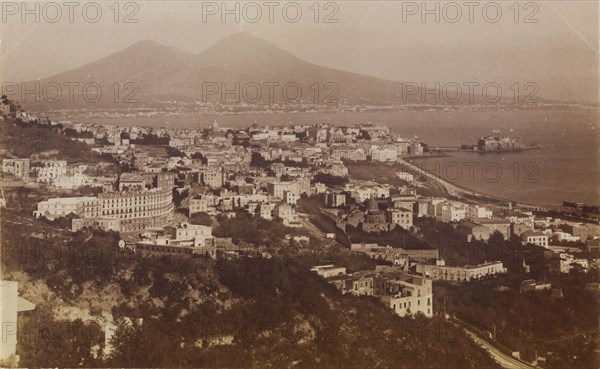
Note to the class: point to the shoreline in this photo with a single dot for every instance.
(468, 194)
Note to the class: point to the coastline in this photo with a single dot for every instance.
(468, 194)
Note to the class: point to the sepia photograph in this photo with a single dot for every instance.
(300, 184)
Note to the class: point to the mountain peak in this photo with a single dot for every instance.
(244, 41)
(145, 44)
(245, 48)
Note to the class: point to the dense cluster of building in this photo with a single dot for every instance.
(133, 207)
(265, 171)
(404, 293)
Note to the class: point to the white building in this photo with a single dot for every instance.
(535, 238)
(451, 212)
(408, 294)
(328, 270)
(460, 274)
(384, 154)
(190, 231)
(400, 216)
(476, 211)
(84, 207)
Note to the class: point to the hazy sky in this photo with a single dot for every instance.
(551, 43)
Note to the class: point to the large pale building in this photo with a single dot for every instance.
(535, 238)
(107, 224)
(450, 212)
(212, 177)
(83, 207)
(406, 294)
(138, 210)
(384, 154)
(460, 274)
(135, 210)
(400, 216)
(190, 231)
(279, 190)
(203, 204)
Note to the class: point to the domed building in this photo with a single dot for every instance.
(375, 219)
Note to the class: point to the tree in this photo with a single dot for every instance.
(259, 161)
(330, 179)
(201, 218)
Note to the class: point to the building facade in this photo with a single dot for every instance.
(460, 274)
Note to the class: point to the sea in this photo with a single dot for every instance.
(565, 168)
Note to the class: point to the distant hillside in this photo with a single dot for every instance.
(22, 139)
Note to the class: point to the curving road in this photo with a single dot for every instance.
(454, 189)
(506, 361)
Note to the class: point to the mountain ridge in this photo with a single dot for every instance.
(147, 72)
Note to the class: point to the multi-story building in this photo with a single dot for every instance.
(440, 271)
(523, 218)
(496, 225)
(450, 212)
(476, 211)
(384, 154)
(535, 238)
(82, 207)
(335, 199)
(132, 181)
(165, 180)
(265, 210)
(188, 231)
(395, 255)
(407, 294)
(279, 188)
(288, 215)
(400, 216)
(18, 167)
(291, 197)
(51, 171)
(203, 204)
(404, 293)
(107, 224)
(407, 201)
(139, 209)
(349, 153)
(361, 283)
(212, 177)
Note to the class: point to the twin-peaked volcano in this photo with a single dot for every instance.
(161, 73)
